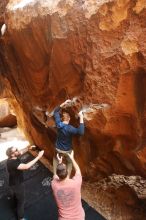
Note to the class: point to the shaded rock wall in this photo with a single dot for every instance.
(93, 50)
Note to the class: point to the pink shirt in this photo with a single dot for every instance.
(68, 198)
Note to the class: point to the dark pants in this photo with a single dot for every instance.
(17, 193)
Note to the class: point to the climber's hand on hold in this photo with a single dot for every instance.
(59, 158)
(66, 103)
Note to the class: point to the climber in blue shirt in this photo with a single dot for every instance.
(65, 132)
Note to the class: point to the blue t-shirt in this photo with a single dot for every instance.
(65, 132)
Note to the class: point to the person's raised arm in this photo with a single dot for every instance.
(24, 150)
(57, 115)
(75, 165)
(66, 103)
(81, 116)
(26, 166)
(59, 161)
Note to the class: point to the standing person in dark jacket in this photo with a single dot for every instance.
(65, 133)
(15, 169)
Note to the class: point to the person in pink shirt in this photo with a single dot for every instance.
(67, 191)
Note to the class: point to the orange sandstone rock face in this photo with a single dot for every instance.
(6, 118)
(93, 50)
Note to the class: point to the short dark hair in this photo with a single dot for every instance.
(62, 171)
(9, 151)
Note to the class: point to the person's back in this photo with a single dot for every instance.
(68, 198)
(67, 193)
(64, 137)
(65, 131)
